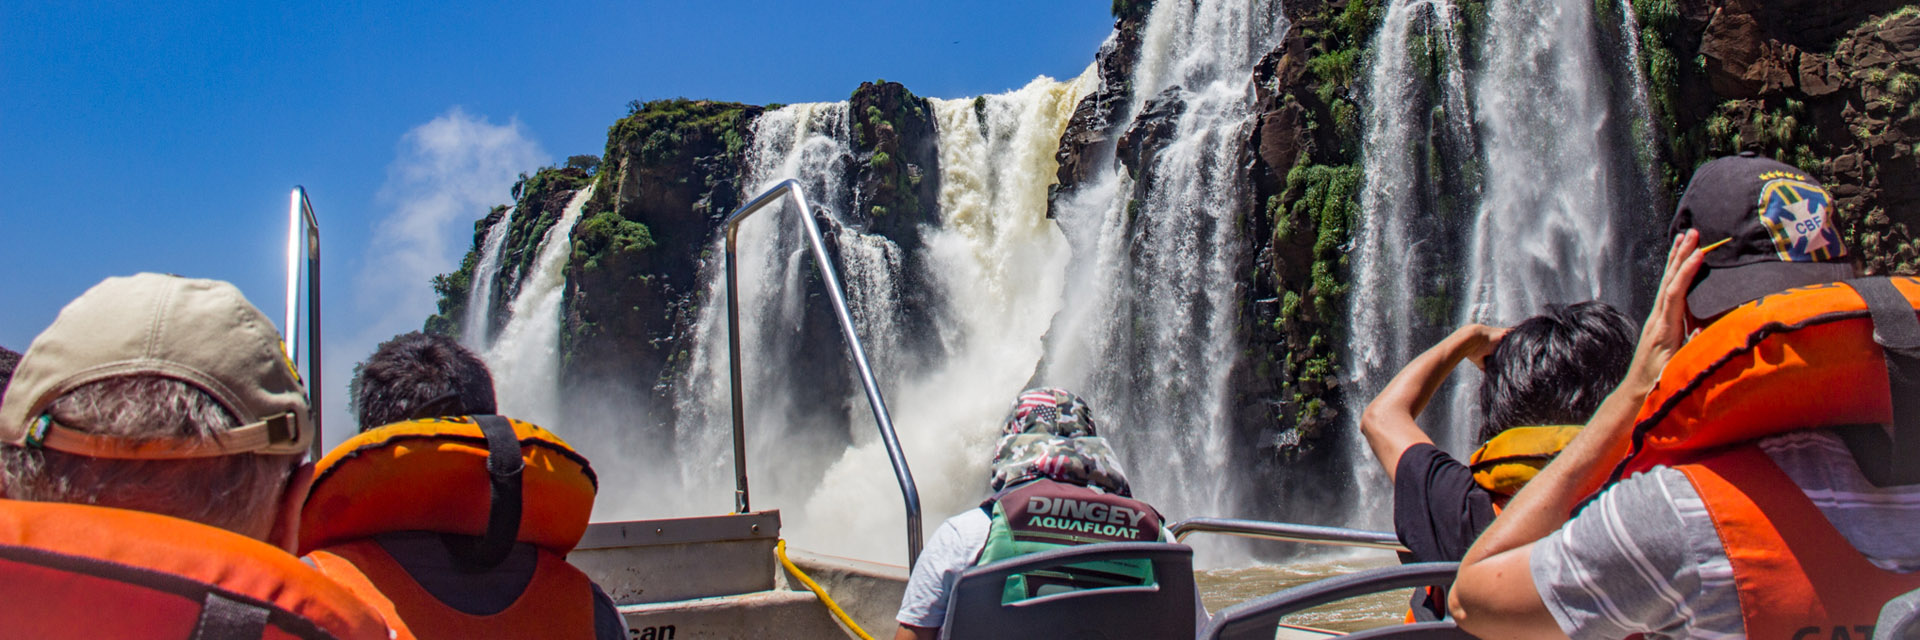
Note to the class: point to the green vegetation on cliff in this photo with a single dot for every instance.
(670, 171)
(1309, 181)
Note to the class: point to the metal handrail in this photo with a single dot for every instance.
(1287, 532)
(832, 278)
(300, 218)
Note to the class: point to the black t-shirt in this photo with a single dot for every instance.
(1437, 511)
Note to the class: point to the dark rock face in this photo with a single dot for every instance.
(896, 162)
(1829, 87)
(1306, 176)
(1151, 130)
(896, 173)
(1095, 119)
(670, 174)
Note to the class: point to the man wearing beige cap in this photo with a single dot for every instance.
(157, 394)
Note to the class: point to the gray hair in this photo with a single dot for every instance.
(239, 493)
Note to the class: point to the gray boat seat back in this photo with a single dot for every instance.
(1900, 619)
(1257, 618)
(1163, 609)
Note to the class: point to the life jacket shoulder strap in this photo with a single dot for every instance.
(1792, 569)
(1896, 329)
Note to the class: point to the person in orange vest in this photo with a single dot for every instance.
(1547, 371)
(1737, 503)
(411, 516)
(151, 443)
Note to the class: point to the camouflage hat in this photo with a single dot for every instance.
(1050, 433)
(1086, 460)
(1051, 411)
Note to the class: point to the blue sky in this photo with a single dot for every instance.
(165, 138)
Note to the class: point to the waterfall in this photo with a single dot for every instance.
(998, 265)
(526, 358)
(1151, 326)
(1389, 265)
(1549, 168)
(479, 321)
(1562, 174)
(1545, 229)
(793, 429)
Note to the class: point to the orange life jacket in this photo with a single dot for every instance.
(1800, 359)
(79, 571)
(557, 602)
(456, 476)
(1803, 359)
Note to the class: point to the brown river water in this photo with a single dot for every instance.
(1222, 588)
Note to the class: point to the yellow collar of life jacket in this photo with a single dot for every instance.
(1509, 460)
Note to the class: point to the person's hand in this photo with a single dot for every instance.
(1666, 325)
(1479, 340)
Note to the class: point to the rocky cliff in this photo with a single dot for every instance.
(1829, 87)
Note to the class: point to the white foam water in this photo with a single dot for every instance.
(476, 333)
(526, 358)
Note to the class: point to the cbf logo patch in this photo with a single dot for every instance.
(1798, 215)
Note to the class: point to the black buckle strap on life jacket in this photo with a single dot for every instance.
(223, 618)
(1891, 457)
(504, 467)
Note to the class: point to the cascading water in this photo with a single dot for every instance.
(1152, 323)
(476, 334)
(998, 265)
(526, 358)
(792, 428)
(1389, 266)
(1554, 178)
(1564, 177)
(1545, 230)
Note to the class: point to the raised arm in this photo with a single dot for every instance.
(1494, 595)
(1389, 421)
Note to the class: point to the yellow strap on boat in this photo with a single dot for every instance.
(780, 549)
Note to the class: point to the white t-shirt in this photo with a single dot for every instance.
(950, 552)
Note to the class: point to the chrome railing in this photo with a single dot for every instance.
(1286, 532)
(302, 224)
(831, 277)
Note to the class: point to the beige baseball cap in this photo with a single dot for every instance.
(202, 332)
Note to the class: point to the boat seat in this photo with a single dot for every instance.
(1164, 609)
(1900, 619)
(1259, 617)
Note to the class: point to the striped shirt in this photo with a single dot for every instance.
(1644, 556)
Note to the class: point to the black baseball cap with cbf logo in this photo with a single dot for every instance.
(1778, 224)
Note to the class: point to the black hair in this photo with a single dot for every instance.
(1556, 367)
(420, 375)
(9, 359)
